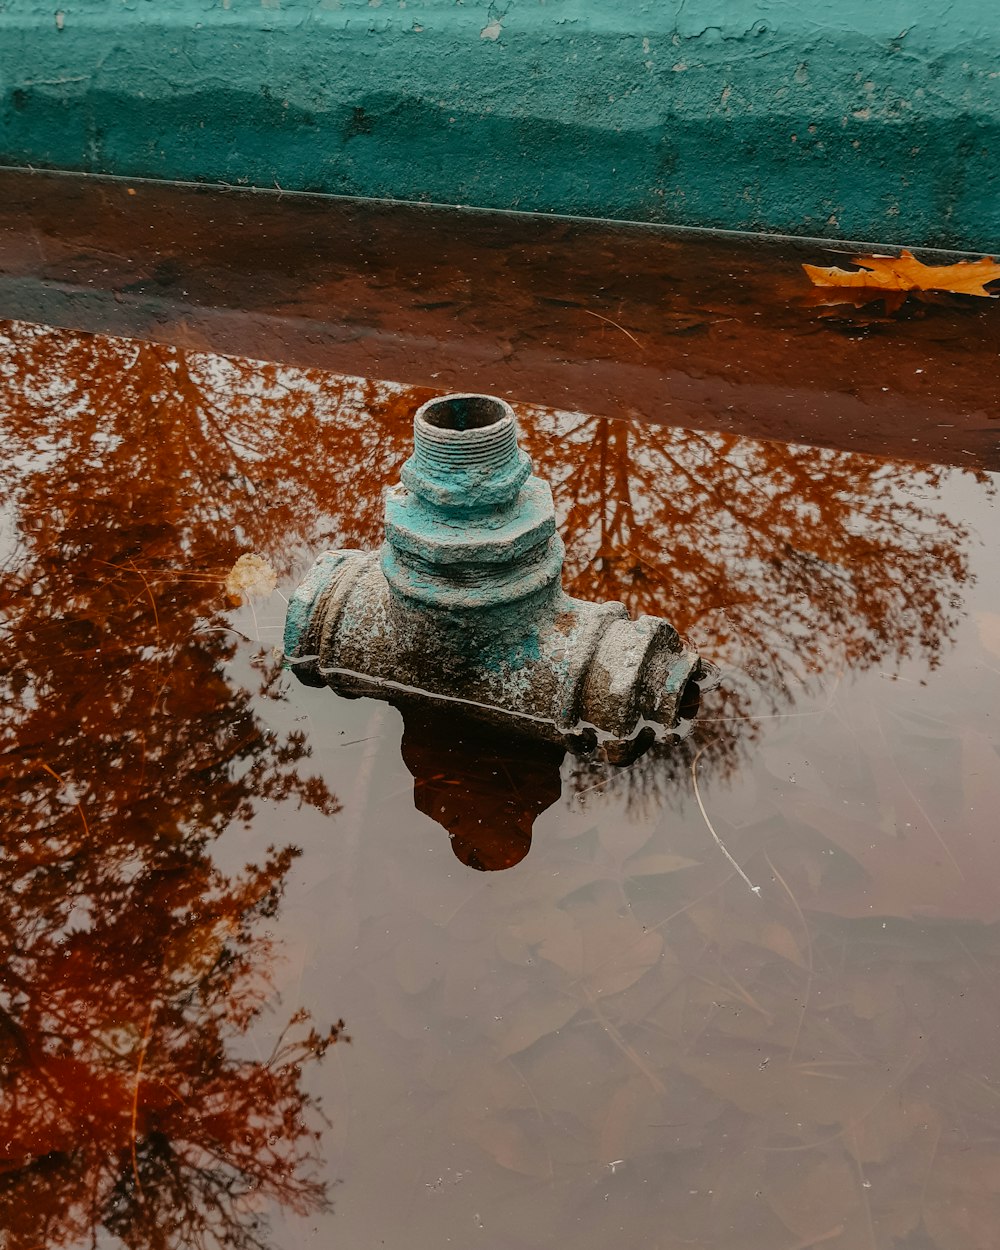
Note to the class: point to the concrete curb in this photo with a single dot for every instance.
(848, 121)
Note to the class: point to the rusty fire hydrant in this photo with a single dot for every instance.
(463, 604)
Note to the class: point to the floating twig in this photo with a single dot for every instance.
(754, 889)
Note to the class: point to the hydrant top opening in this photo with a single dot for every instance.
(464, 412)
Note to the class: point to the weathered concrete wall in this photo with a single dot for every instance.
(857, 119)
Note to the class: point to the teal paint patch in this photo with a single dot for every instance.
(468, 529)
(509, 660)
(848, 121)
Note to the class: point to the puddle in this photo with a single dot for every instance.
(612, 1041)
(677, 327)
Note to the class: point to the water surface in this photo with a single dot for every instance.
(612, 1042)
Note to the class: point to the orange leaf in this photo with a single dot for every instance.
(905, 273)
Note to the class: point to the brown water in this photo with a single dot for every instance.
(676, 327)
(613, 1042)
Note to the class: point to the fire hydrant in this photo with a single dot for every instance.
(463, 605)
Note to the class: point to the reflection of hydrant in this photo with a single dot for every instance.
(464, 602)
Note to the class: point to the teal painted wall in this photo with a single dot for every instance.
(863, 119)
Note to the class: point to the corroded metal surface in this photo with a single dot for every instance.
(464, 602)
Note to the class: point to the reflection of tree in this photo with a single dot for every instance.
(786, 563)
(131, 964)
(122, 1104)
(813, 558)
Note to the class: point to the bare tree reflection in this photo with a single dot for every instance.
(790, 565)
(133, 969)
(806, 558)
(787, 564)
(131, 965)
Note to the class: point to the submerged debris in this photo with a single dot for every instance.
(251, 575)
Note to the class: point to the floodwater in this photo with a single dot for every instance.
(615, 1041)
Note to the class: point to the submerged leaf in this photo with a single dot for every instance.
(988, 624)
(534, 1016)
(658, 864)
(513, 1147)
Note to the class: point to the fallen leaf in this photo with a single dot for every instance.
(419, 958)
(905, 273)
(514, 1147)
(962, 1205)
(893, 1122)
(617, 951)
(626, 1111)
(814, 1196)
(552, 935)
(535, 1015)
(989, 631)
(658, 864)
(251, 574)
